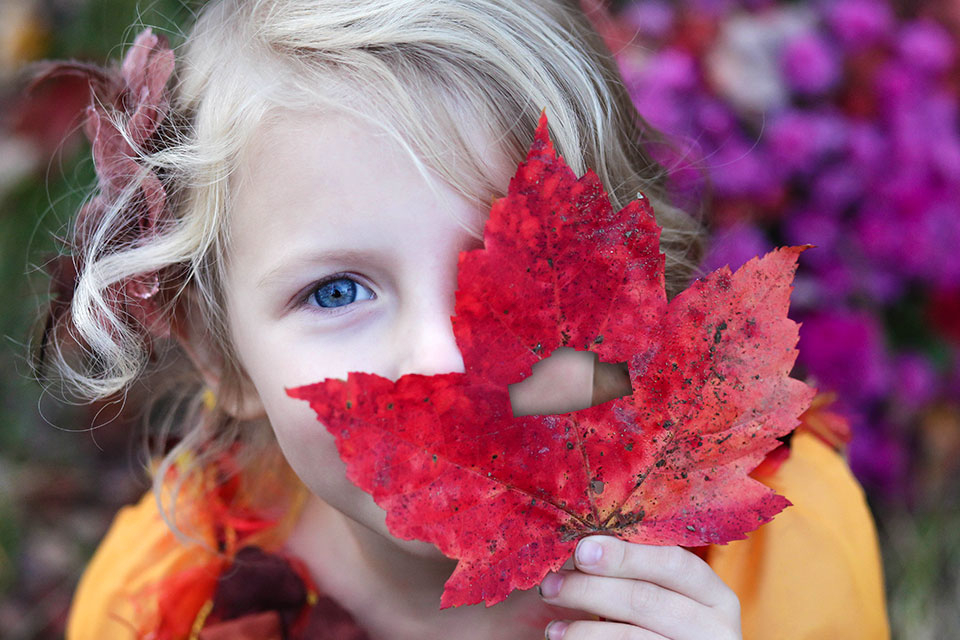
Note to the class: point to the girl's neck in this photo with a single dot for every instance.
(394, 594)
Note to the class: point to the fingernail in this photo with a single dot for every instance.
(550, 586)
(589, 552)
(555, 630)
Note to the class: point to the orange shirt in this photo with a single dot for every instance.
(814, 572)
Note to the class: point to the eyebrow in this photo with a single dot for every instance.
(306, 260)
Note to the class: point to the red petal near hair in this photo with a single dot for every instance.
(146, 70)
(509, 497)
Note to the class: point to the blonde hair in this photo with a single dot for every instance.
(419, 68)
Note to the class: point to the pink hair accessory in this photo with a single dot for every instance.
(135, 97)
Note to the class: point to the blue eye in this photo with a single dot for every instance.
(339, 292)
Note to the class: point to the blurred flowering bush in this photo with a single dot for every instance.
(833, 123)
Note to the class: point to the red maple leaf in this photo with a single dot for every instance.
(510, 496)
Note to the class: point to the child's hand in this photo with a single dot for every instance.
(569, 380)
(644, 591)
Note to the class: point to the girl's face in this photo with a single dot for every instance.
(342, 259)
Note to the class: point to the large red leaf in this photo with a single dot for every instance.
(510, 496)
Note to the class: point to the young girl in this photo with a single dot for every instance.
(285, 202)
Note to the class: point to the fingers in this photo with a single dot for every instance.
(673, 568)
(559, 384)
(635, 602)
(610, 380)
(589, 630)
(643, 590)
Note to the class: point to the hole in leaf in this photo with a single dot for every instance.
(569, 380)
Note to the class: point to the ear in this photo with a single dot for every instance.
(237, 398)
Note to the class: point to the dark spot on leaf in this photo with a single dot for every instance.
(596, 486)
(719, 333)
(660, 463)
(690, 527)
(349, 405)
(390, 406)
(569, 445)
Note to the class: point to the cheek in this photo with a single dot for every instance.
(305, 442)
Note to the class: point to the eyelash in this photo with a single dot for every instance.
(309, 300)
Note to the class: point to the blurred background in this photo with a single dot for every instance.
(833, 123)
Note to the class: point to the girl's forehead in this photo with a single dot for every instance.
(320, 181)
(448, 136)
(336, 154)
(328, 155)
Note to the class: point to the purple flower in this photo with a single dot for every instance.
(734, 246)
(868, 148)
(793, 140)
(896, 87)
(739, 167)
(844, 351)
(881, 284)
(813, 227)
(836, 280)
(915, 381)
(926, 46)
(879, 460)
(652, 18)
(715, 8)
(838, 186)
(886, 238)
(941, 114)
(716, 118)
(800, 139)
(810, 64)
(859, 23)
(673, 70)
(661, 89)
(939, 232)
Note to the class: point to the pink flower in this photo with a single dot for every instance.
(136, 97)
(651, 18)
(810, 64)
(734, 246)
(926, 46)
(860, 23)
(845, 351)
(916, 383)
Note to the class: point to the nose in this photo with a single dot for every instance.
(425, 343)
